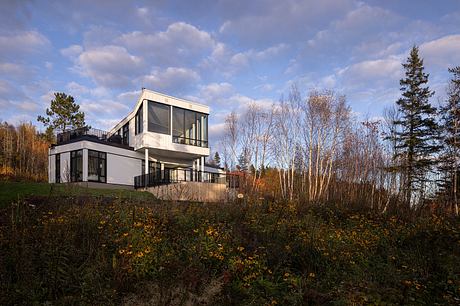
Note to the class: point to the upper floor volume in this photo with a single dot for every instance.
(165, 123)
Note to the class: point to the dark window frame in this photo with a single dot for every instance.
(99, 158)
(138, 120)
(57, 168)
(201, 141)
(76, 157)
(150, 102)
(125, 134)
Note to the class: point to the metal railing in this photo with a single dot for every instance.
(87, 132)
(169, 176)
(190, 141)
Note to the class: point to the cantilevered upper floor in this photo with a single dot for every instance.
(168, 127)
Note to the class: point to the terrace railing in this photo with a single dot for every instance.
(169, 176)
(88, 133)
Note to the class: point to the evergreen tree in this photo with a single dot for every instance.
(217, 159)
(63, 114)
(450, 163)
(243, 161)
(416, 138)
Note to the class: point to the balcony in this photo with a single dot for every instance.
(91, 134)
(190, 141)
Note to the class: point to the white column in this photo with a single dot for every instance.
(145, 115)
(85, 165)
(202, 168)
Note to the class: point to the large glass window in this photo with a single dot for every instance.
(159, 118)
(190, 127)
(125, 137)
(57, 165)
(76, 166)
(97, 166)
(139, 122)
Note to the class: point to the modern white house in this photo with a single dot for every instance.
(164, 140)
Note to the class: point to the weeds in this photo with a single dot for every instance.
(118, 251)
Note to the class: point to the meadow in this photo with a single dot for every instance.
(69, 249)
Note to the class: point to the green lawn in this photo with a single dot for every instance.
(13, 191)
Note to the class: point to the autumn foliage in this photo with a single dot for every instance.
(23, 153)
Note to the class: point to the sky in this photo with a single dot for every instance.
(223, 53)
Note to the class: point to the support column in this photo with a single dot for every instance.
(85, 165)
(146, 170)
(202, 168)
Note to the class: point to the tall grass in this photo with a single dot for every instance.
(72, 250)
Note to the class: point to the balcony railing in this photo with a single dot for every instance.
(169, 176)
(89, 133)
(190, 141)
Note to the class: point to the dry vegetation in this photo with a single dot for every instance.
(100, 251)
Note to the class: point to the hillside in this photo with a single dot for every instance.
(102, 250)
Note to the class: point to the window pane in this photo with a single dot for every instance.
(159, 118)
(189, 127)
(178, 122)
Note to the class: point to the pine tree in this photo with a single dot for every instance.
(217, 159)
(450, 115)
(63, 114)
(416, 138)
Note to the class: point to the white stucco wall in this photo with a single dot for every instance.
(122, 164)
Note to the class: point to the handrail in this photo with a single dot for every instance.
(170, 176)
(190, 141)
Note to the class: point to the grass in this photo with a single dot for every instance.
(107, 251)
(14, 191)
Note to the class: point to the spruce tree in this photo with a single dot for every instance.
(450, 163)
(217, 159)
(418, 130)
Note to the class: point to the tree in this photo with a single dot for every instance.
(416, 138)
(63, 114)
(217, 159)
(450, 116)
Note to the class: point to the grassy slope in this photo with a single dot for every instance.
(13, 191)
(133, 252)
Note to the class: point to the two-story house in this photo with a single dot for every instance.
(163, 140)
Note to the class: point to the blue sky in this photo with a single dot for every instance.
(221, 53)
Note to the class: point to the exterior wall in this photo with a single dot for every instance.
(164, 142)
(122, 164)
(122, 169)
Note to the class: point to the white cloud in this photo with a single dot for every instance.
(16, 43)
(443, 52)
(72, 51)
(171, 79)
(110, 66)
(181, 42)
(372, 72)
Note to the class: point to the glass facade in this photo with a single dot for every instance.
(97, 166)
(76, 166)
(159, 118)
(190, 127)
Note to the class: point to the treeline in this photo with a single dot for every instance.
(23, 153)
(313, 149)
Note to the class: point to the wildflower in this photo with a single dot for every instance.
(240, 248)
(125, 234)
(312, 275)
